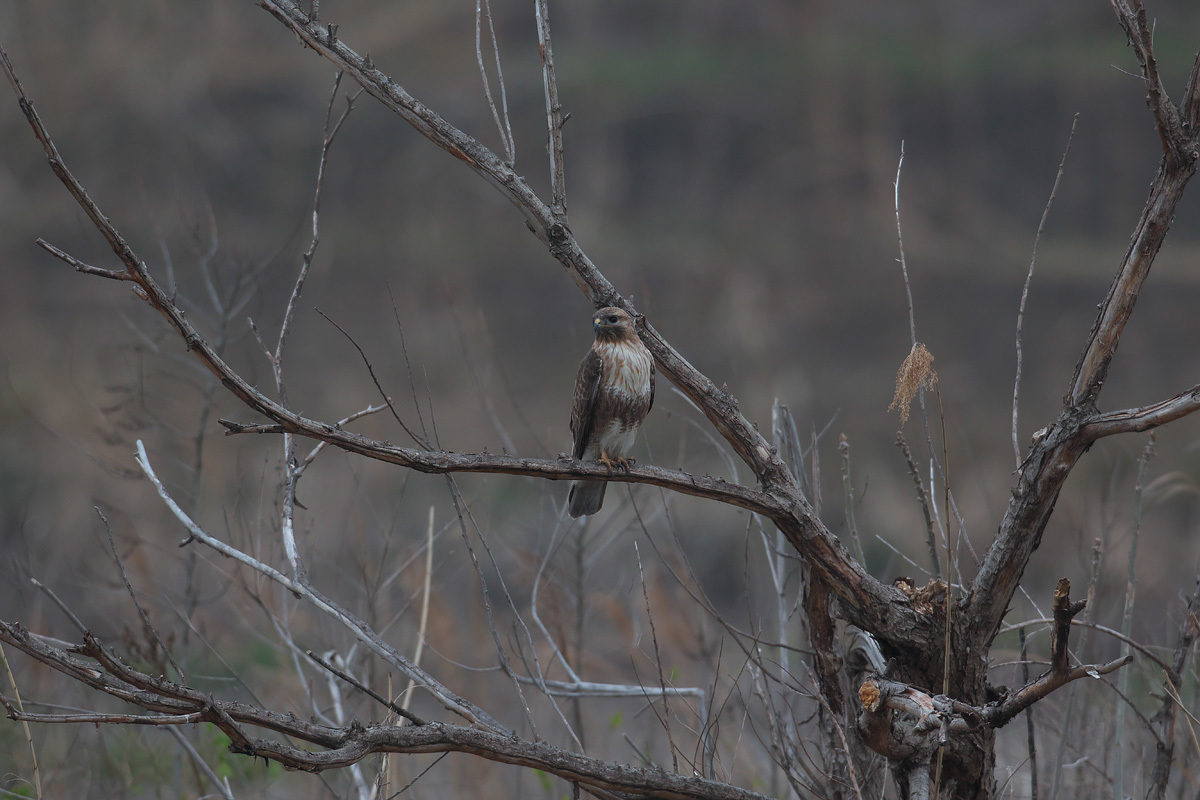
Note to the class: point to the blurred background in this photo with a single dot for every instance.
(730, 167)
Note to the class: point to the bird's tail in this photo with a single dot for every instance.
(586, 497)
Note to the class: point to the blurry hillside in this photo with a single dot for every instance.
(730, 167)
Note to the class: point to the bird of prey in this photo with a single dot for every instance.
(613, 394)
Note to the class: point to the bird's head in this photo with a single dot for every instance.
(612, 323)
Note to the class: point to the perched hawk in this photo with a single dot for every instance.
(613, 394)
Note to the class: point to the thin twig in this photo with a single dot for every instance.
(1142, 649)
(371, 371)
(312, 455)
(503, 127)
(113, 274)
(1029, 726)
(133, 595)
(78, 623)
(930, 534)
(1029, 279)
(17, 711)
(1165, 717)
(367, 690)
(554, 117)
(424, 609)
(100, 719)
(420, 775)
(202, 765)
(1127, 616)
(412, 381)
(501, 652)
(848, 495)
(841, 737)
(306, 260)
(912, 320)
(662, 683)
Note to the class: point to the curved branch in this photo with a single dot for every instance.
(348, 745)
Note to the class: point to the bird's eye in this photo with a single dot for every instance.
(612, 319)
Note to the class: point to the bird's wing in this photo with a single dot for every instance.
(583, 407)
(650, 405)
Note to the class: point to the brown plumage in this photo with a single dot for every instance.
(613, 394)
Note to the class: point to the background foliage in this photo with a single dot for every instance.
(729, 165)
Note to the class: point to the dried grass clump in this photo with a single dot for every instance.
(915, 374)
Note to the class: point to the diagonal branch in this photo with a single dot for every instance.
(1179, 164)
(1148, 236)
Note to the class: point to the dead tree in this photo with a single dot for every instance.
(931, 711)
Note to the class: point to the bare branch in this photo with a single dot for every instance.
(101, 719)
(79, 266)
(1061, 444)
(115, 240)
(445, 696)
(1145, 651)
(1119, 730)
(1132, 16)
(222, 784)
(1028, 280)
(912, 320)
(1136, 420)
(63, 607)
(344, 746)
(367, 690)
(1060, 672)
(15, 707)
(503, 127)
(554, 117)
(1164, 718)
(133, 596)
(425, 592)
(662, 683)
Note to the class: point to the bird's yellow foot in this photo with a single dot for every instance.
(623, 464)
